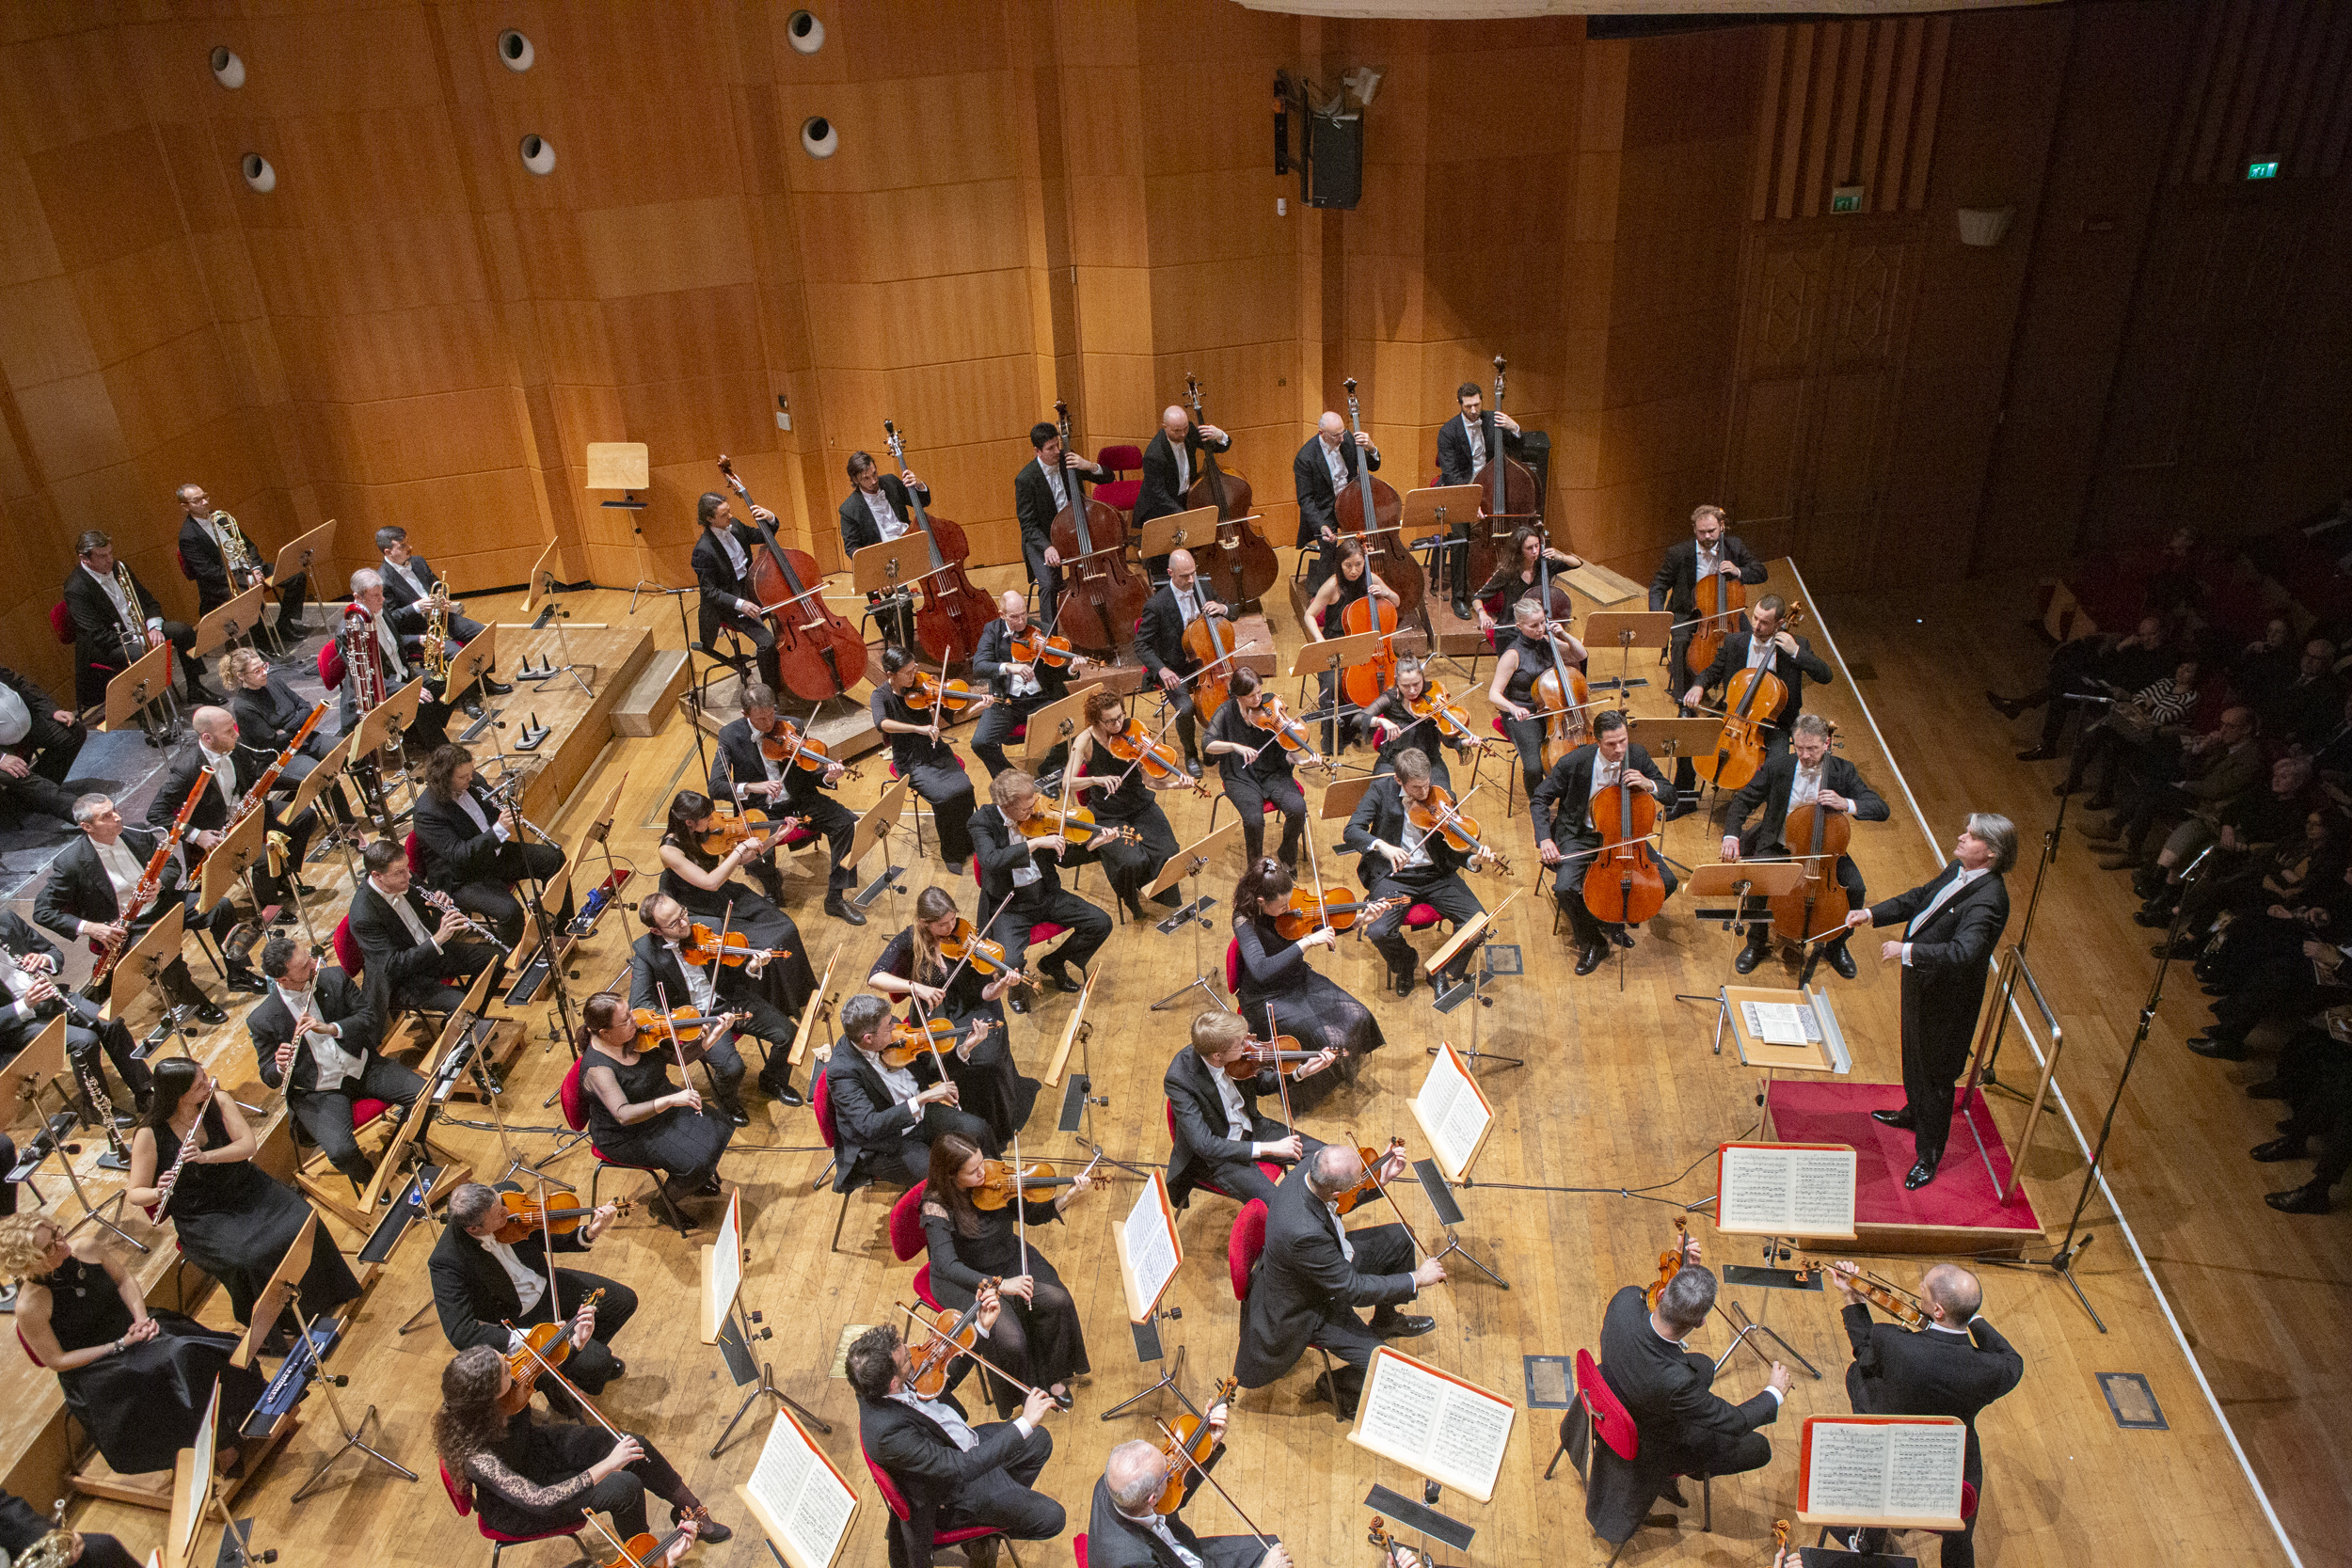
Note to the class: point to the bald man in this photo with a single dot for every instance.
(1160, 643)
(1020, 688)
(1170, 464)
(236, 767)
(1125, 1530)
(1956, 1365)
(1325, 466)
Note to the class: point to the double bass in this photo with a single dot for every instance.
(1506, 494)
(1372, 507)
(1097, 610)
(954, 612)
(818, 653)
(1242, 563)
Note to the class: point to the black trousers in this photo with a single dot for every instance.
(947, 790)
(1243, 1181)
(1930, 1070)
(763, 643)
(1527, 737)
(911, 1152)
(49, 748)
(995, 727)
(1130, 867)
(82, 1045)
(460, 962)
(839, 823)
(1677, 682)
(7, 1164)
(1089, 928)
(1004, 1498)
(621, 1495)
(1187, 731)
(325, 1113)
(1043, 579)
(1250, 795)
(594, 1364)
(274, 887)
(174, 980)
(1448, 895)
(1379, 1249)
(492, 899)
(1569, 888)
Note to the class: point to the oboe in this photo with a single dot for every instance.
(447, 905)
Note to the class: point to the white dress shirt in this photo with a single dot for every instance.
(1477, 440)
(1804, 785)
(530, 1284)
(1337, 463)
(1236, 1110)
(1944, 896)
(124, 610)
(415, 583)
(1156, 1523)
(1760, 649)
(407, 916)
(122, 869)
(16, 721)
(1052, 483)
(1184, 473)
(224, 766)
(480, 819)
(898, 1080)
(949, 1423)
(335, 1063)
(884, 518)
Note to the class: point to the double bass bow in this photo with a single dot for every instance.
(1241, 563)
(1506, 492)
(1100, 608)
(818, 653)
(954, 612)
(1372, 507)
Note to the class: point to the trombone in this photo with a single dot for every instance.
(245, 568)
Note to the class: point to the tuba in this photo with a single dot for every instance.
(245, 570)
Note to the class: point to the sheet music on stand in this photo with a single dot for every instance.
(1150, 1251)
(1775, 1189)
(1787, 1031)
(1453, 1112)
(1895, 1472)
(802, 1501)
(1442, 1426)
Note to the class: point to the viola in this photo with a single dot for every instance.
(1190, 1436)
(544, 1346)
(731, 828)
(1334, 908)
(1439, 814)
(1242, 563)
(910, 1042)
(1370, 1184)
(929, 692)
(525, 1215)
(1669, 1263)
(819, 654)
(733, 949)
(644, 1549)
(1283, 1053)
(951, 1334)
(1818, 904)
(998, 1182)
(1365, 682)
(683, 1023)
(1752, 699)
(1077, 825)
(954, 612)
(1885, 1295)
(1031, 646)
(1372, 507)
(1624, 886)
(1103, 597)
(785, 741)
(1506, 492)
(1162, 765)
(1209, 641)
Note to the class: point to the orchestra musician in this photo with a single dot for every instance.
(887, 1117)
(723, 569)
(1522, 659)
(487, 1293)
(1160, 643)
(920, 752)
(1256, 770)
(704, 885)
(93, 875)
(1021, 880)
(1278, 992)
(25, 1533)
(38, 741)
(1768, 643)
(204, 552)
(136, 1378)
(234, 1221)
(1325, 466)
(1018, 689)
(1037, 1337)
(1325, 617)
(876, 510)
(408, 584)
(471, 846)
(637, 1115)
(236, 767)
(1119, 795)
(1805, 774)
(401, 658)
(1566, 833)
(1220, 1135)
(1709, 553)
(530, 1479)
(1315, 1272)
(953, 1474)
(1401, 863)
(1461, 452)
(1521, 576)
(268, 716)
(1394, 726)
(1170, 462)
(408, 946)
(1126, 1530)
(1951, 924)
(912, 965)
(318, 1035)
(1955, 1365)
(1039, 497)
(29, 963)
(110, 622)
(744, 768)
(657, 967)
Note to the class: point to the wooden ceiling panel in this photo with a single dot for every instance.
(104, 197)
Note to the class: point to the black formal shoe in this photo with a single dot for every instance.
(734, 1112)
(1682, 809)
(1017, 1002)
(1065, 981)
(1462, 609)
(470, 704)
(842, 910)
(495, 689)
(1918, 1175)
(2289, 1146)
(1749, 958)
(1403, 1326)
(1591, 959)
(208, 1013)
(789, 1096)
(1192, 767)
(1901, 1118)
(2039, 753)
(244, 979)
(1400, 981)
(2152, 918)
(2218, 1050)
(2308, 1198)
(306, 890)
(1622, 937)
(1841, 961)
(706, 1528)
(2269, 1088)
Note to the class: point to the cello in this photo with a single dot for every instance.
(1752, 699)
(1099, 610)
(1372, 507)
(1364, 683)
(1624, 886)
(1506, 494)
(1209, 641)
(1241, 564)
(1816, 904)
(1722, 602)
(954, 612)
(819, 654)
(1560, 693)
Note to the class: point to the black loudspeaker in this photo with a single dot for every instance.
(1335, 159)
(1535, 452)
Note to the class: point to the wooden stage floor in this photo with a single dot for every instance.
(1599, 1141)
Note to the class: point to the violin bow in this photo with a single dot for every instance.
(977, 931)
(546, 1244)
(629, 1559)
(661, 995)
(1177, 1445)
(1273, 1027)
(1382, 1188)
(550, 1368)
(975, 1356)
(719, 951)
(1020, 1205)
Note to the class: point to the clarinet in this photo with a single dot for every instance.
(169, 1180)
(447, 905)
(94, 1084)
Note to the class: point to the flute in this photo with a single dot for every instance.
(169, 1181)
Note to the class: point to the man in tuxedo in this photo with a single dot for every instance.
(953, 1474)
(472, 849)
(886, 1118)
(1037, 496)
(1400, 862)
(204, 550)
(236, 768)
(1951, 924)
(318, 1035)
(876, 510)
(481, 1285)
(399, 656)
(1019, 689)
(1805, 774)
(1160, 644)
(1314, 1273)
(1462, 444)
(1709, 553)
(406, 945)
(1567, 835)
(1767, 644)
(658, 970)
(1222, 1138)
(28, 964)
(408, 582)
(722, 559)
(1020, 879)
(110, 629)
(1325, 466)
(1125, 1530)
(91, 879)
(1955, 1365)
(38, 741)
(745, 774)
(1170, 462)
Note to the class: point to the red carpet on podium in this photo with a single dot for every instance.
(1963, 1197)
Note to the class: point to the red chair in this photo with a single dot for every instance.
(347, 948)
(1241, 1257)
(331, 664)
(461, 1499)
(821, 1103)
(415, 861)
(61, 627)
(1271, 1171)
(897, 1500)
(182, 557)
(1121, 493)
(575, 1102)
(1078, 1548)
(907, 1241)
(1609, 1422)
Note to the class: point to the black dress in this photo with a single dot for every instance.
(988, 1086)
(1040, 1341)
(1276, 977)
(141, 1405)
(235, 1222)
(789, 981)
(685, 1143)
(1128, 866)
(534, 1479)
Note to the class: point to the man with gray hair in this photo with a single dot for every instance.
(399, 659)
(1127, 1530)
(1313, 1273)
(1951, 923)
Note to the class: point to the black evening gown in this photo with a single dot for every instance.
(789, 981)
(1276, 979)
(989, 1085)
(141, 1405)
(1041, 1340)
(235, 1222)
(1129, 867)
(687, 1144)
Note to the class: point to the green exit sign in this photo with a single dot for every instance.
(1846, 198)
(2262, 168)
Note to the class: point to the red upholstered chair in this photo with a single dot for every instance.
(461, 1499)
(331, 664)
(1272, 1171)
(61, 624)
(1121, 493)
(898, 1510)
(347, 948)
(1041, 933)
(907, 1241)
(1078, 1548)
(415, 861)
(182, 557)
(573, 1096)
(365, 1112)
(821, 1103)
(1611, 1425)
(1241, 1255)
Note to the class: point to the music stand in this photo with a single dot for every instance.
(1681, 735)
(139, 686)
(229, 860)
(1474, 931)
(22, 1075)
(379, 728)
(875, 828)
(239, 617)
(1179, 531)
(473, 661)
(730, 1324)
(323, 772)
(1057, 723)
(295, 559)
(1189, 861)
(1741, 880)
(42, 1062)
(542, 580)
(1079, 1033)
(888, 571)
(1628, 629)
(142, 964)
(1340, 797)
(411, 1130)
(819, 1010)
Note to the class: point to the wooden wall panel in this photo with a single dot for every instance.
(2267, 81)
(1849, 104)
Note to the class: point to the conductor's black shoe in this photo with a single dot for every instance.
(1893, 1119)
(1840, 960)
(1591, 959)
(1622, 937)
(208, 1012)
(841, 909)
(495, 689)
(1750, 956)
(2287, 1147)
(2308, 1198)
(2218, 1050)
(1918, 1175)
(1403, 1326)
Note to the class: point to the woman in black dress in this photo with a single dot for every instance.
(1119, 795)
(234, 1221)
(1393, 726)
(702, 883)
(530, 1477)
(1037, 1337)
(1275, 979)
(1325, 618)
(924, 759)
(988, 1083)
(636, 1114)
(1256, 769)
(138, 1381)
(1518, 576)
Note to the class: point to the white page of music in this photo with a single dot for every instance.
(1452, 1112)
(1150, 1245)
(800, 1493)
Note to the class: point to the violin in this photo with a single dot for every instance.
(1669, 1263)
(1209, 641)
(1162, 765)
(1439, 814)
(1506, 492)
(1395, 1553)
(1192, 1437)
(1371, 1184)
(930, 692)
(1032, 646)
(1311, 911)
(819, 654)
(1372, 507)
(734, 949)
(998, 1184)
(1283, 1053)
(1077, 825)
(952, 1334)
(985, 954)
(1103, 597)
(910, 1041)
(732, 827)
(525, 1215)
(954, 612)
(1365, 682)
(785, 742)
(544, 1346)
(1452, 721)
(683, 1023)
(1818, 904)
(1753, 700)
(1268, 716)
(1624, 885)
(1885, 1295)
(643, 1549)
(1242, 563)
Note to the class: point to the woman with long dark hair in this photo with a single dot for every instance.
(1038, 1338)
(636, 1114)
(1279, 994)
(988, 1083)
(529, 1477)
(1520, 574)
(925, 759)
(1119, 795)
(704, 884)
(234, 1221)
